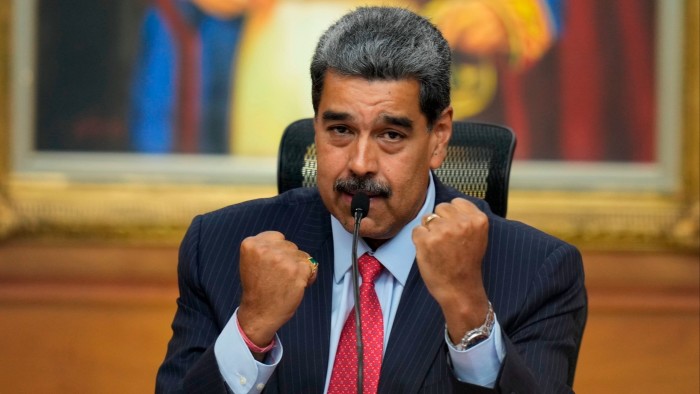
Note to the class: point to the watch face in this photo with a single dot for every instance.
(477, 339)
(480, 334)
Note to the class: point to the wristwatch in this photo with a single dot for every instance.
(477, 335)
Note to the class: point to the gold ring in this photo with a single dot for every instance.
(314, 266)
(430, 218)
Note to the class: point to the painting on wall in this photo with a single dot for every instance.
(575, 79)
(192, 96)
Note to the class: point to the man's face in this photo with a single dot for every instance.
(372, 135)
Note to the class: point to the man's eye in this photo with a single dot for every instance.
(339, 129)
(393, 135)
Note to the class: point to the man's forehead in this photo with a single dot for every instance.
(342, 91)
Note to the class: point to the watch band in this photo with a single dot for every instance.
(477, 335)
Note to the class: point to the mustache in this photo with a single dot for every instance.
(367, 185)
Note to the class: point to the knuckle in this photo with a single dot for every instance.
(463, 204)
(481, 221)
(459, 201)
(248, 243)
(442, 206)
(417, 231)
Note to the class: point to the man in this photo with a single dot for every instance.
(256, 313)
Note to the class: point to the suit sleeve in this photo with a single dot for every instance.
(190, 363)
(542, 343)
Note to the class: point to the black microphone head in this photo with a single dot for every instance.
(360, 203)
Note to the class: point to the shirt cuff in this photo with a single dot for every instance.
(241, 371)
(480, 364)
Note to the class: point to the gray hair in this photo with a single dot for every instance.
(386, 43)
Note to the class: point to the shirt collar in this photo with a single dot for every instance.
(396, 255)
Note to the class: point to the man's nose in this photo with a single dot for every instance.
(363, 158)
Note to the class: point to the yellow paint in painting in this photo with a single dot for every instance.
(272, 83)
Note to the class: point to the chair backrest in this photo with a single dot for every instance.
(478, 160)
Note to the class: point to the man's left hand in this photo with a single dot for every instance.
(449, 251)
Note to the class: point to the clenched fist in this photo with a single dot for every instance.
(449, 251)
(274, 274)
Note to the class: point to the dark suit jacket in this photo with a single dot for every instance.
(534, 281)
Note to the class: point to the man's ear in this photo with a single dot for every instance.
(442, 131)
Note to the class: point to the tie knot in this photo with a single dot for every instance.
(369, 268)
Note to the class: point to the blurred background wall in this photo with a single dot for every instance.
(87, 259)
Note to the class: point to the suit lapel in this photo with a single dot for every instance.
(416, 337)
(446, 194)
(306, 336)
(417, 334)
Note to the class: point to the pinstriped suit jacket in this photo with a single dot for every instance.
(534, 281)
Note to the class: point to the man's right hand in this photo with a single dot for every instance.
(274, 274)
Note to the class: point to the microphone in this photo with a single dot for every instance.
(359, 205)
(359, 208)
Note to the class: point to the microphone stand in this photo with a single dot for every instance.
(356, 282)
(359, 208)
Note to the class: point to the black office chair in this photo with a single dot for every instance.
(478, 160)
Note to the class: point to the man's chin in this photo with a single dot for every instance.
(371, 231)
(373, 236)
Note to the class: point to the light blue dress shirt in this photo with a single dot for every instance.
(478, 365)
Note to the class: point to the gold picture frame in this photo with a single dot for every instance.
(146, 211)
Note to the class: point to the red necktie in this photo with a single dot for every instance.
(344, 376)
